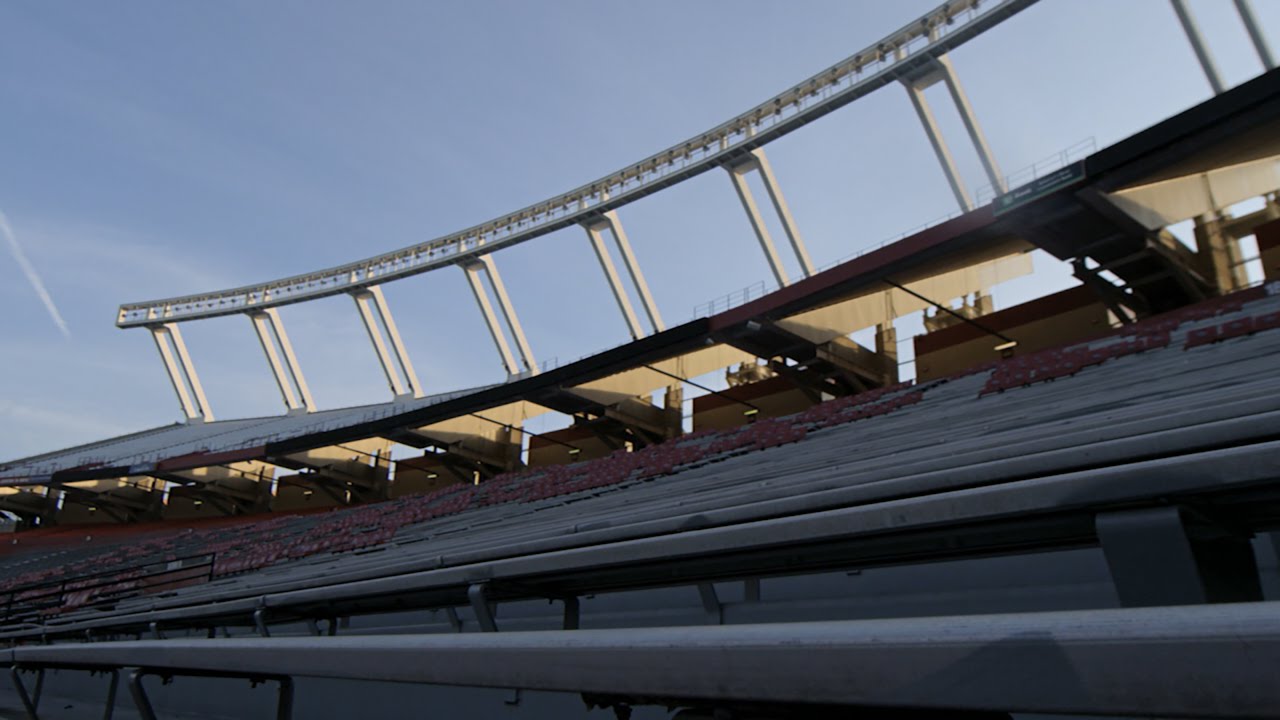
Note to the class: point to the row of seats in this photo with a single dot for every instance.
(1238, 327)
(264, 541)
(259, 543)
(1142, 336)
(950, 439)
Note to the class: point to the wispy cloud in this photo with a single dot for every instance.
(33, 277)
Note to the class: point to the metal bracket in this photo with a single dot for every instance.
(30, 702)
(284, 702)
(711, 601)
(260, 622)
(479, 596)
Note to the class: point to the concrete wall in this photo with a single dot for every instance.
(775, 397)
(1063, 317)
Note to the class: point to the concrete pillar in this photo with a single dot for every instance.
(182, 374)
(483, 266)
(921, 104)
(1245, 8)
(759, 162)
(283, 363)
(1219, 254)
(1192, 30)
(392, 355)
(595, 232)
(971, 125)
(608, 221)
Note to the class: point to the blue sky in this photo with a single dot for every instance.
(153, 149)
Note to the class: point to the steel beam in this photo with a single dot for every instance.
(283, 363)
(1192, 29)
(1158, 556)
(391, 351)
(1197, 661)
(595, 232)
(182, 373)
(1245, 8)
(757, 161)
(484, 266)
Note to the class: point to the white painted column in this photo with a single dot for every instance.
(595, 233)
(1245, 8)
(971, 124)
(391, 351)
(483, 265)
(784, 212)
(182, 373)
(738, 173)
(633, 269)
(509, 314)
(283, 363)
(1192, 30)
(940, 149)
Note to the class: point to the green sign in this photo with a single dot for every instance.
(1039, 187)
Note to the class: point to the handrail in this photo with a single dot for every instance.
(902, 54)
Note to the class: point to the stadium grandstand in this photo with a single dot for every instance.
(1069, 507)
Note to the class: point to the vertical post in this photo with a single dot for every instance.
(182, 373)
(376, 315)
(1245, 8)
(971, 124)
(1192, 30)
(280, 357)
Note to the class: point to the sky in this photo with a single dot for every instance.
(151, 149)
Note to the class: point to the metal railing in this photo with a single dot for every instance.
(31, 602)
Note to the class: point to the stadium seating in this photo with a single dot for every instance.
(1135, 378)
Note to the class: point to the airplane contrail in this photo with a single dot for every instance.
(32, 276)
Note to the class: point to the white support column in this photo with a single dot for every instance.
(633, 269)
(784, 212)
(509, 314)
(595, 232)
(182, 373)
(484, 265)
(283, 363)
(738, 174)
(971, 124)
(1245, 8)
(391, 351)
(940, 149)
(1192, 30)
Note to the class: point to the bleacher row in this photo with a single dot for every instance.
(1142, 336)
(259, 544)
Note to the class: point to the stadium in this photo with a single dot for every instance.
(1068, 508)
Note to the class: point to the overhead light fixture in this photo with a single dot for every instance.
(575, 451)
(751, 412)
